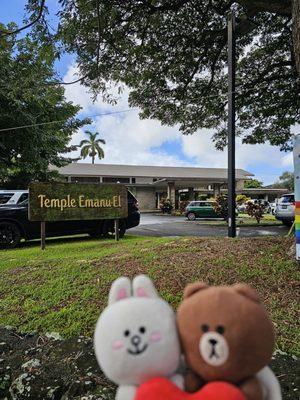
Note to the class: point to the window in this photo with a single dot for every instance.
(23, 197)
(85, 179)
(115, 180)
(5, 197)
(132, 180)
(288, 198)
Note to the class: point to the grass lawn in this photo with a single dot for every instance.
(64, 288)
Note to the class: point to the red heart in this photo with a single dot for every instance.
(163, 389)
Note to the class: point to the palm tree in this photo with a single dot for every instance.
(91, 147)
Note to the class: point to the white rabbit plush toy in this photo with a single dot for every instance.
(136, 337)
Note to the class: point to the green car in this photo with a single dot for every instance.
(200, 209)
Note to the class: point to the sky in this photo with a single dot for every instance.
(130, 140)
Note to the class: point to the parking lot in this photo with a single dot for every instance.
(167, 225)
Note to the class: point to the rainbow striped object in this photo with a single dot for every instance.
(297, 193)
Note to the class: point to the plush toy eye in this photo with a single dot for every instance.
(142, 329)
(205, 328)
(220, 329)
(127, 333)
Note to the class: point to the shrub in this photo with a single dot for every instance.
(166, 206)
(182, 205)
(255, 210)
(221, 206)
(241, 199)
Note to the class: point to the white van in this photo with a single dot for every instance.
(11, 197)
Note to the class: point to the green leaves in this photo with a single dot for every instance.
(26, 98)
(91, 147)
(173, 57)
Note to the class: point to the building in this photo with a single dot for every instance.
(152, 183)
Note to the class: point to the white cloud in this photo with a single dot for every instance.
(287, 161)
(130, 140)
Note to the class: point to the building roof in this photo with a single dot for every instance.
(161, 172)
(265, 190)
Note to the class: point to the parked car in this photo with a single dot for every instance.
(200, 209)
(14, 224)
(242, 207)
(12, 196)
(285, 209)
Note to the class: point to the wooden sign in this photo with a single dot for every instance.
(74, 201)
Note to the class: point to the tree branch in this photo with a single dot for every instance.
(39, 16)
(296, 33)
(280, 7)
(67, 83)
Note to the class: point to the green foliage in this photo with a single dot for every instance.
(173, 57)
(221, 206)
(255, 210)
(29, 96)
(241, 198)
(286, 181)
(91, 147)
(253, 183)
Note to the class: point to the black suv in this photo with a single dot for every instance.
(14, 224)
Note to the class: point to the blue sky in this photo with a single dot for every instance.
(130, 140)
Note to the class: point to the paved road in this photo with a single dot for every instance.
(165, 225)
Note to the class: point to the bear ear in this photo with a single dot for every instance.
(120, 290)
(247, 291)
(143, 287)
(193, 288)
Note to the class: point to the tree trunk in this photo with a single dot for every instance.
(296, 32)
(93, 159)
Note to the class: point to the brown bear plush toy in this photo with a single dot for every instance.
(226, 335)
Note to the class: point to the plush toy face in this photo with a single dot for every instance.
(226, 333)
(136, 337)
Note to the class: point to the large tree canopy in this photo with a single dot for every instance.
(296, 31)
(172, 54)
(28, 97)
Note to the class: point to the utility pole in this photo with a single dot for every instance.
(231, 125)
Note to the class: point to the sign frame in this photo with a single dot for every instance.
(66, 201)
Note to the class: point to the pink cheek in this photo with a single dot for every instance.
(155, 337)
(117, 345)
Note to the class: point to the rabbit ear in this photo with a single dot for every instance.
(120, 290)
(143, 287)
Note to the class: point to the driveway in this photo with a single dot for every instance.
(167, 225)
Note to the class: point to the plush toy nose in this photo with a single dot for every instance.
(213, 341)
(135, 340)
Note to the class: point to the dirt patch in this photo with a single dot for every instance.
(39, 367)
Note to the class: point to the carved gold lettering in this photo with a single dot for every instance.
(47, 203)
(115, 201)
(41, 197)
(81, 201)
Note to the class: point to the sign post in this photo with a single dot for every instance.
(231, 125)
(297, 193)
(68, 201)
(117, 232)
(43, 235)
